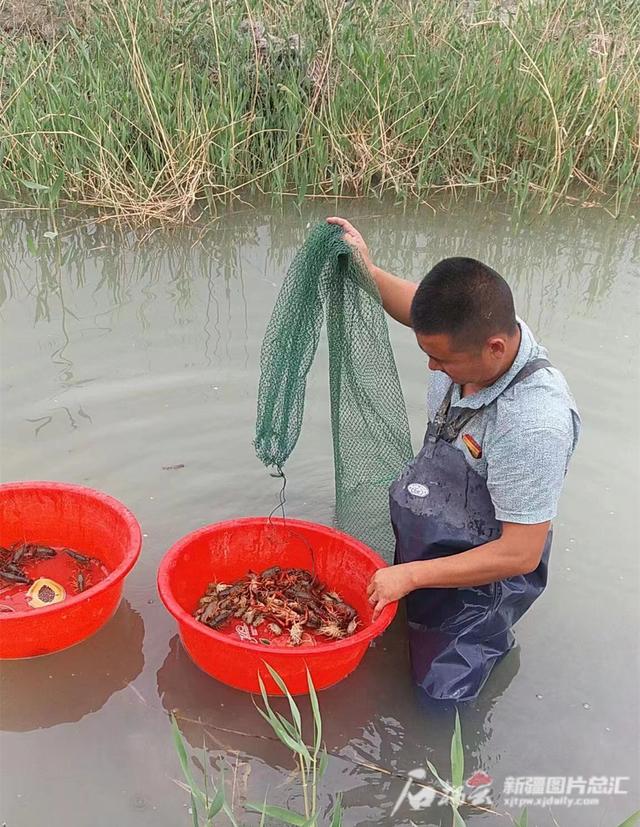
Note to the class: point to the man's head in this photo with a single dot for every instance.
(464, 320)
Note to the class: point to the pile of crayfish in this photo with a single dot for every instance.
(26, 571)
(279, 606)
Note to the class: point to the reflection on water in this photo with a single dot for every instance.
(64, 687)
(547, 258)
(130, 364)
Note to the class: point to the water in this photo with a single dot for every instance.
(124, 354)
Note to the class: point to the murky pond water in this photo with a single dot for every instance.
(122, 355)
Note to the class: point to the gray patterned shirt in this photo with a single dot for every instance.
(526, 435)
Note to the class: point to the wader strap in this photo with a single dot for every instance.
(447, 427)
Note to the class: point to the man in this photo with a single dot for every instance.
(472, 512)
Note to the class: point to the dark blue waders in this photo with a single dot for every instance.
(441, 506)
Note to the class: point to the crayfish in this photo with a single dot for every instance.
(25, 564)
(289, 605)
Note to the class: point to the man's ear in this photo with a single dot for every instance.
(498, 346)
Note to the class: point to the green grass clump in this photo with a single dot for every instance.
(209, 802)
(312, 761)
(146, 108)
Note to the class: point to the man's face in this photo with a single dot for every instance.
(477, 366)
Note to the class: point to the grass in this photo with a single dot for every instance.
(208, 803)
(312, 760)
(157, 108)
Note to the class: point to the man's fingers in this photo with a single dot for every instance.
(370, 587)
(378, 609)
(348, 228)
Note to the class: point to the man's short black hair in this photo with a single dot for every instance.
(465, 299)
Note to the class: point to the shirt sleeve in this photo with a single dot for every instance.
(525, 473)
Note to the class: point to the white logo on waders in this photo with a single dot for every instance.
(418, 489)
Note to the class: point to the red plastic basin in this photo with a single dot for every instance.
(60, 514)
(227, 551)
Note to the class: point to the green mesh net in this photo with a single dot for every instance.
(371, 439)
